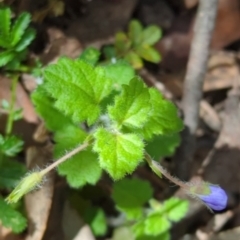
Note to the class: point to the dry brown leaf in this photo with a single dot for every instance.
(38, 203)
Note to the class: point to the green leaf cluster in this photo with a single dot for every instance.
(153, 222)
(10, 173)
(137, 44)
(71, 102)
(15, 37)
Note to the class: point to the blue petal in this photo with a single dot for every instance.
(216, 200)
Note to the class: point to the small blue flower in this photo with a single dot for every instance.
(216, 199)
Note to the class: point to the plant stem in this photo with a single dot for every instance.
(158, 169)
(65, 157)
(12, 103)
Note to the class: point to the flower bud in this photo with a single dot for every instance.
(213, 196)
(27, 184)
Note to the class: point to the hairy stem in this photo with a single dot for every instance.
(65, 157)
(159, 170)
(12, 103)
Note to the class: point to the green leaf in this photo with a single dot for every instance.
(131, 193)
(15, 63)
(151, 35)
(163, 145)
(134, 60)
(11, 145)
(122, 43)
(132, 106)
(119, 153)
(96, 218)
(10, 173)
(6, 57)
(135, 32)
(109, 52)
(5, 21)
(156, 224)
(78, 88)
(54, 119)
(120, 72)
(139, 229)
(132, 213)
(10, 218)
(83, 167)
(18, 114)
(148, 53)
(5, 104)
(19, 27)
(91, 55)
(163, 118)
(26, 39)
(176, 208)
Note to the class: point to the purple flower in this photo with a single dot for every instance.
(216, 199)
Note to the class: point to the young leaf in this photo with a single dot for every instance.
(135, 32)
(6, 57)
(19, 27)
(132, 213)
(175, 208)
(122, 43)
(132, 106)
(26, 39)
(131, 193)
(134, 60)
(78, 88)
(96, 218)
(10, 218)
(120, 72)
(148, 53)
(5, 21)
(10, 146)
(163, 118)
(155, 224)
(119, 153)
(163, 145)
(151, 35)
(10, 173)
(91, 55)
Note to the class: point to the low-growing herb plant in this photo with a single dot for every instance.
(15, 37)
(146, 222)
(106, 119)
(136, 45)
(102, 136)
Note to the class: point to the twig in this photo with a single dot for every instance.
(196, 69)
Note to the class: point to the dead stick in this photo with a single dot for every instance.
(193, 84)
